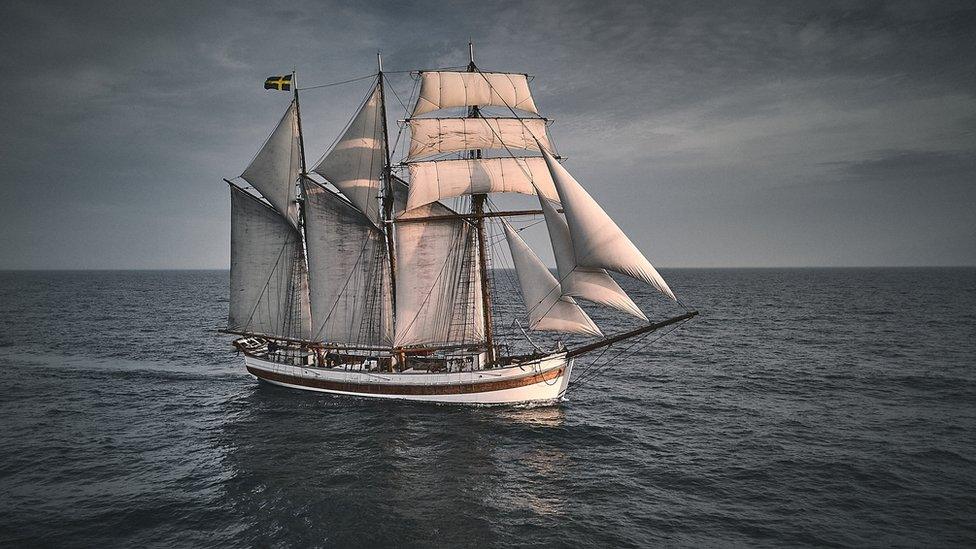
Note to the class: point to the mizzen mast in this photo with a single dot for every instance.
(298, 117)
(269, 273)
(300, 269)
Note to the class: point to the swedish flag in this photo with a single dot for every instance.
(280, 83)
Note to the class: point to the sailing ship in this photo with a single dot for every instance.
(370, 278)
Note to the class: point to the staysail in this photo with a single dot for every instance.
(435, 180)
(445, 89)
(274, 171)
(597, 240)
(548, 308)
(349, 283)
(587, 283)
(268, 289)
(355, 164)
(442, 135)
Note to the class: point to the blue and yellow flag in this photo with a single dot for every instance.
(280, 83)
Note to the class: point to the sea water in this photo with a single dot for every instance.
(802, 407)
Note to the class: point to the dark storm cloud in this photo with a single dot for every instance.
(717, 134)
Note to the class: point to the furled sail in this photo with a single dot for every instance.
(349, 283)
(438, 289)
(444, 89)
(597, 240)
(548, 308)
(435, 180)
(274, 171)
(441, 135)
(587, 283)
(268, 281)
(355, 164)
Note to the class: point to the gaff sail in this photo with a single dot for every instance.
(268, 281)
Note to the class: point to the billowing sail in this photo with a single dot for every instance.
(444, 89)
(355, 164)
(438, 289)
(587, 283)
(268, 282)
(548, 308)
(597, 240)
(435, 180)
(441, 135)
(274, 171)
(349, 283)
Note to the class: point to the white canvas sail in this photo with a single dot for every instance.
(274, 171)
(349, 285)
(548, 308)
(597, 240)
(355, 164)
(444, 89)
(587, 283)
(435, 180)
(441, 135)
(438, 288)
(268, 284)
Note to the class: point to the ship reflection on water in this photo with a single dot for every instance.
(354, 470)
(539, 416)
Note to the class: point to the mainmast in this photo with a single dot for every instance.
(478, 209)
(387, 186)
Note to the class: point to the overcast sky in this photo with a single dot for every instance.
(736, 134)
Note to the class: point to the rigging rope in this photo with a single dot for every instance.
(406, 112)
(494, 242)
(330, 84)
(590, 372)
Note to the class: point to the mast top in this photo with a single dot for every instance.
(471, 66)
(379, 61)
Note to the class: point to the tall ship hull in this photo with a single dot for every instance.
(538, 380)
(373, 277)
